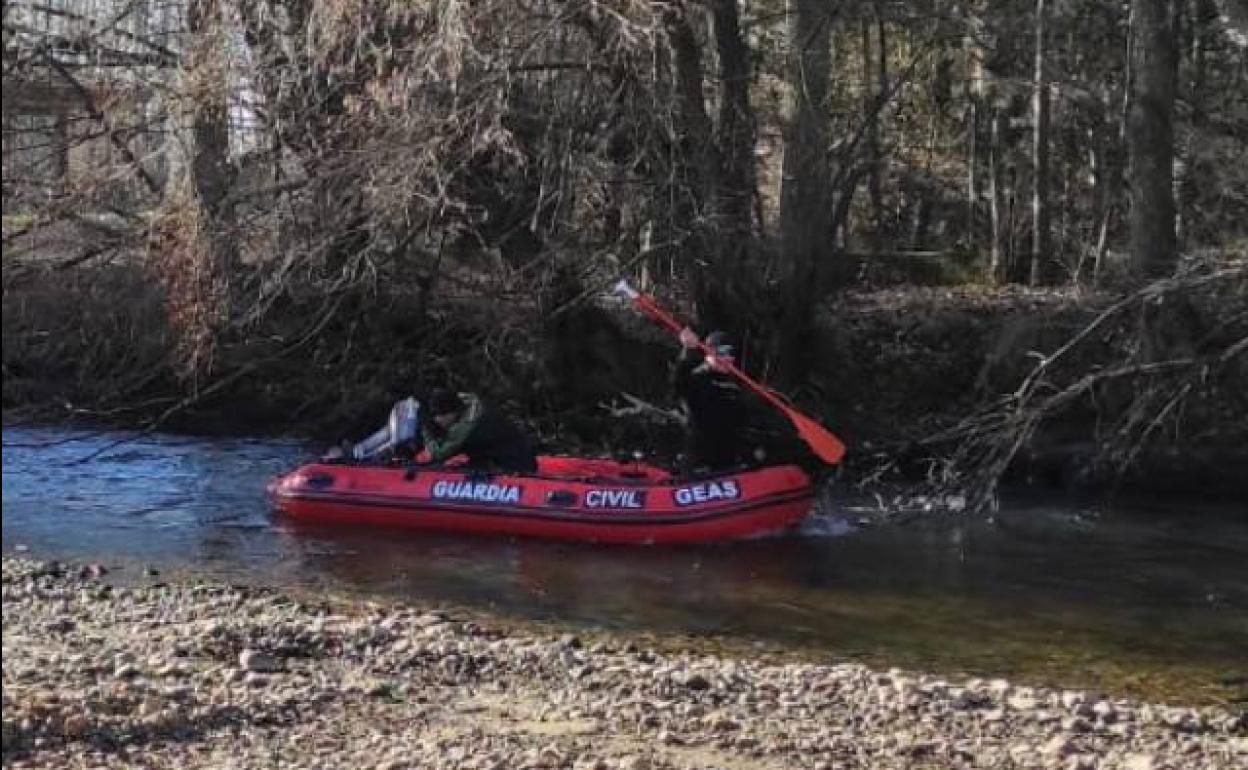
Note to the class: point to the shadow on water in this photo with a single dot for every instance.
(1142, 598)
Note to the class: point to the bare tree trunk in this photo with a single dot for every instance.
(883, 87)
(1102, 204)
(1012, 269)
(200, 284)
(1109, 176)
(921, 223)
(60, 151)
(693, 123)
(996, 255)
(1041, 243)
(983, 94)
(871, 92)
(736, 150)
(1064, 162)
(659, 234)
(1150, 134)
(720, 158)
(804, 195)
(210, 171)
(805, 198)
(972, 184)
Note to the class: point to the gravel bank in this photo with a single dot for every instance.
(209, 676)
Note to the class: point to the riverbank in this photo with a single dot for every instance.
(191, 675)
(896, 373)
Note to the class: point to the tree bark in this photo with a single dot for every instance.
(1042, 260)
(699, 158)
(996, 252)
(736, 123)
(1150, 139)
(805, 197)
(872, 92)
(200, 273)
(735, 139)
(972, 184)
(210, 172)
(1102, 204)
(804, 194)
(718, 156)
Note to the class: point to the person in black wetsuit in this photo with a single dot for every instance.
(713, 400)
(461, 424)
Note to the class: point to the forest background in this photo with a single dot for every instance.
(978, 239)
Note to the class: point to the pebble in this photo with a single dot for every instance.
(1072, 700)
(1105, 712)
(430, 619)
(1022, 702)
(258, 662)
(1080, 762)
(1058, 746)
(1139, 761)
(255, 679)
(125, 671)
(1077, 725)
(60, 626)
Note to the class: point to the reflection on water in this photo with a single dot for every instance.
(1135, 597)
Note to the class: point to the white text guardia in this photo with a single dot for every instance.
(477, 492)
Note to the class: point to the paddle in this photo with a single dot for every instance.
(821, 441)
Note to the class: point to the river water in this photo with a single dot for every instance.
(1142, 598)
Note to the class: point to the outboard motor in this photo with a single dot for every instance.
(402, 431)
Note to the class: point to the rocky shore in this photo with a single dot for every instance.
(210, 676)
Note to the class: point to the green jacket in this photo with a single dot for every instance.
(452, 442)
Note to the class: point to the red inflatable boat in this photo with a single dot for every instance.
(568, 498)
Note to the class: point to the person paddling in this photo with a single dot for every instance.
(713, 400)
(819, 439)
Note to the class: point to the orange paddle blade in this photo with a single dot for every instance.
(826, 446)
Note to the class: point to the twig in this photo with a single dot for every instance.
(638, 407)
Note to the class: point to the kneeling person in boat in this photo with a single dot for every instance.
(462, 425)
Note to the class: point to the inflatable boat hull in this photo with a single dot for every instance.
(568, 498)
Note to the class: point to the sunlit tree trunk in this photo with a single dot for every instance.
(972, 184)
(1042, 257)
(996, 162)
